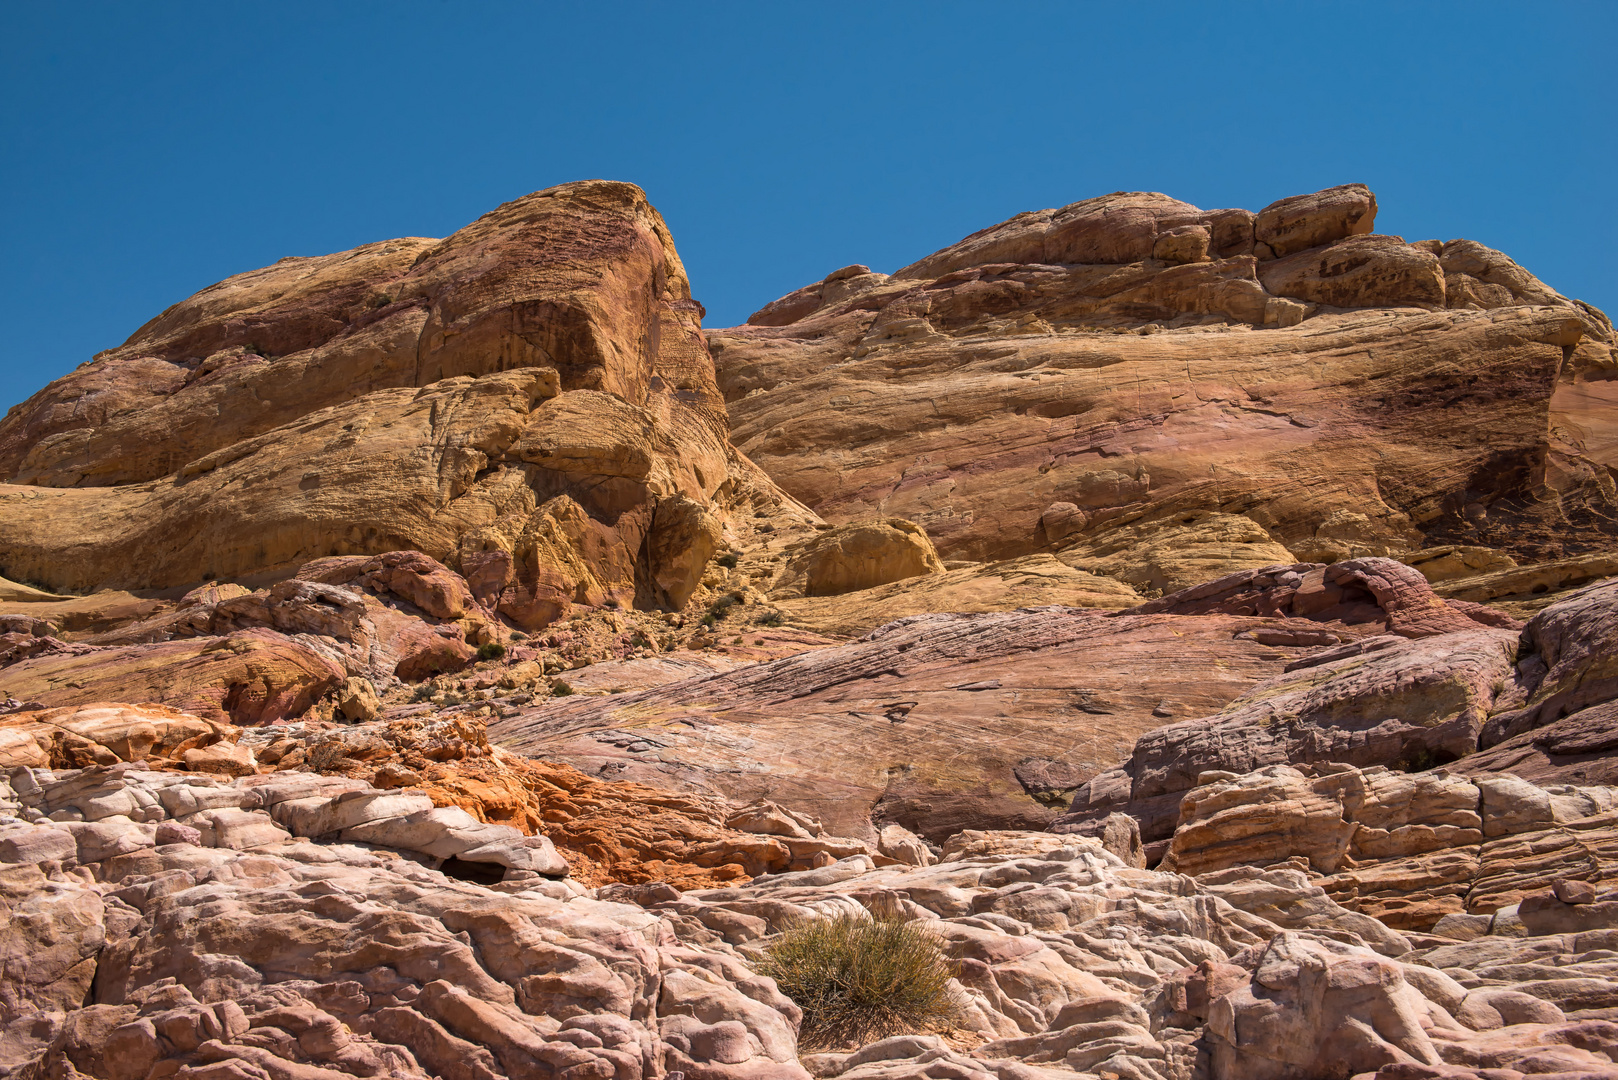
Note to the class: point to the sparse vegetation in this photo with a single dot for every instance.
(560, 689)
(772, 618)
(860, 979)
(728, 560)
(491, 650)
(720, 608)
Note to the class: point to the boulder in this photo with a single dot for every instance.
(357, 700)
(1294, 224)
(247, 677)
(856, 557)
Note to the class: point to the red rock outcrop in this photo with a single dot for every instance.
(1536, 701)
(606, 831)
(926, 721)
(1364, 824)
(1069, 375)
(246, 677)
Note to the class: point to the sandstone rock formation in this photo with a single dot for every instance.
(1031, 581)
(1101, 673)
(607, 831)
(856, 557)
(188, 925)
(174, 924)
(529, 401)
(944, 722)
(1082, 378)
(1440, 687)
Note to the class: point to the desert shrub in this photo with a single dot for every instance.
(560, 689)
(491, 650)
(859, 979)
(771, 618)
(728, 560)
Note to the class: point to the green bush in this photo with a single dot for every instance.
(859, 979)
(491, 650)
(772, 618)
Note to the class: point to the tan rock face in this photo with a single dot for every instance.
(1071, 378)
(246, 677)
(927, 722)
(855, 557)
(1165, 555)
(1031, 581)
(530, 400)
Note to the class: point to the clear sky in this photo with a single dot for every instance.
(151, 149)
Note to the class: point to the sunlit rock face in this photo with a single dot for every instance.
(530, 400)
(1075, 379)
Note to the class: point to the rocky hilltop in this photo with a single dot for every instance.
(530, 400)
(448, 659)
(1079, 381)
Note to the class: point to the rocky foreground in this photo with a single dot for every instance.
(1202, 623)
(176, 923)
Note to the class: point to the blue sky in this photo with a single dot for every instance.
(152, 149)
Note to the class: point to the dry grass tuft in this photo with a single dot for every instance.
(860, 979)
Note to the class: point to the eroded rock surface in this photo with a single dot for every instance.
(530, 401)
(291, 924)
(1446, 681)
(923, 722)
(1084, 377)
(1189, 777)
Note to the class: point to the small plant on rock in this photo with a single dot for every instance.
(491, 650)
(728, 560)
(720, 608)
(860, 979)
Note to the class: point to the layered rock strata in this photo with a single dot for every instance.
(943, 722)
(176, 927)
(530, 401)
(433, 786)
(1439, 688)
(1071, 377)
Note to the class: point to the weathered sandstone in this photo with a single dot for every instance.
(186, 925)
(530, 401)
(1100, 669)
(927, 721)
(1083, 378)
(856, 557)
